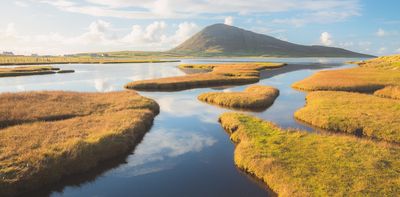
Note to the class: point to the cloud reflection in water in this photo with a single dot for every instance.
(102, 85)
(158, 149)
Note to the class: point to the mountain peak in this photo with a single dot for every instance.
(222, 39)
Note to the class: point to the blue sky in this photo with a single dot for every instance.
(70, 26)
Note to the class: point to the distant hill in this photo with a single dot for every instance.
(225, 40)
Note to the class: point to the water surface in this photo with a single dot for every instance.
(186, 153)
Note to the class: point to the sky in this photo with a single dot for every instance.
(56, 27)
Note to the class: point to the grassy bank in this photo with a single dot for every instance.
(352, 79)
(354, 113)
(27, 60)
(252, 65)
(391, 62)
(219, 75)
(297, 163)
(253, 97)
(368, 77)
(31, 70)
(389, 92)
(48, 135)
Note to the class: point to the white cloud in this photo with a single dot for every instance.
(20, 4)
(398, 50)
(99, 26)
(327, 10)
(10, 29)
(185, 30)
(98, 37)
(155, 34)
(326, 39)
(228, 20)
(380, 32)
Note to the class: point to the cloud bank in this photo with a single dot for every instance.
(98, 37)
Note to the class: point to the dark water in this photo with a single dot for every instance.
(186, 153)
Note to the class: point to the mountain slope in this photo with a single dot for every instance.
(220, 39)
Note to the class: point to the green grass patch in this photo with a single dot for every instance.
(45, 136)
(354, 113)
(298, 163)
(254, 97)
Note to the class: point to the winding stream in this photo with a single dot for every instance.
(186, 153)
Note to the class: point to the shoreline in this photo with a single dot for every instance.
(89, 62)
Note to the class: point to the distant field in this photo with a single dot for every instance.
(27, 60)
(253, 97)
(299, 163)
(218, 75)
(45, 136)
(30, 70)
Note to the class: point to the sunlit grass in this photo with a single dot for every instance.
(370, 76)
(354, 113)
(353, 79)
(47, 135)
(299, 163)
(253, 97)
(389, 92)
(219, 75)
(391, 62)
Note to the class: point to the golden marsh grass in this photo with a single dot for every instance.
(219, 75)
(299, 163)
(48, 135)
(354, 113)
(368, 77)
(391, 62)
(253, 97)
(389, 92)
(352, 79)
(31, 70)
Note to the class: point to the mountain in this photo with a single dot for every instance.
(225, 40)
